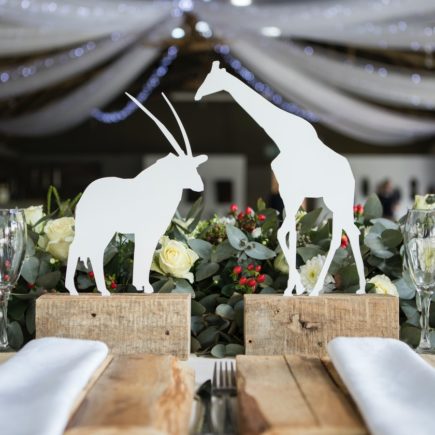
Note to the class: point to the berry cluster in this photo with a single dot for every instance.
(110, 281)
(358, 210)
(247, 220)
(215, 233)
(247, 277)
(344, 241)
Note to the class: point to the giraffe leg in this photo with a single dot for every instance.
(289, 251)
(335, 243)
(353, 233)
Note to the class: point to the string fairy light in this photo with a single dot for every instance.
(262, 88)
(147, 89)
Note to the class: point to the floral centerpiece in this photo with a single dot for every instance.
(217, 261)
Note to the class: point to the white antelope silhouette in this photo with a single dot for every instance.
(305, 167)
(143, 206)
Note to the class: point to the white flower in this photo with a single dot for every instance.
(256, 233)
(383, 285)
(310, 272)
(174, 259)
(227, 220)
(34, 214)
(422, 203)
(58, 235)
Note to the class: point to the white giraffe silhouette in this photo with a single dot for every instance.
(305, 167)
(143, 206)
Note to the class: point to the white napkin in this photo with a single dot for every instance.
(393, 387)
(39, 385)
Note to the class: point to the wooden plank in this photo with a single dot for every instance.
(137, 394)
(278, 325)
(268, 396)
(128, 323)
(333, 410)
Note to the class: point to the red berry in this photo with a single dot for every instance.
(257, 268)
(355, 209)
(91, 275)
(250, 266)
(240, 216)
(252, 282)
(6, 277)
(261, 217)
(233, 208)
(243, 280)
(360, 209)
(30, 285)
(237, 269)
(344, 241)
(113, 285)
(249, 210)
(261, 278)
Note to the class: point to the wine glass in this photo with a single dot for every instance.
(419, 238)
(13, 236)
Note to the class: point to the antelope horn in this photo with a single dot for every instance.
(180, 124)
(163, 129)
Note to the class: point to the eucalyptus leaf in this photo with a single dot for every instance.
(201, 247)
(218, 350)
(197, 324)
(15, 335)
(226, 311)
(30, 317)
(261, 205)
(410, 334)
(206, 270)
(234, 349)
(405, 291)
(377, 247)
(195, 345)
(49, 280)
(168, 286)
(383, 224)
(197, 209)
(391, 238)
(30, 247)
(223, 251)
(268, 291)
(410, 310)
(183, 286)
(236, 237)
(30, 269)
(308, 252)
(210, 302)
(196, 308)
(259, 252)
(373, 208)
(208, 336)
(309, 220)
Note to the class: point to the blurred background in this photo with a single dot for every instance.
(362, 71)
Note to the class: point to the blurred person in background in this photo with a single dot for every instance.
(389, 198)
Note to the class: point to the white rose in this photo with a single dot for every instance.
(34, 214)
(383, 285)
(59, 234)
(174, 259)
(310, 272)
(421, 202)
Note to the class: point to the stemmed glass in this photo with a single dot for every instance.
(13, 236)
(419, 238)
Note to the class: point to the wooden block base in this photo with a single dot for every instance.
(278, 325)
(128, 323)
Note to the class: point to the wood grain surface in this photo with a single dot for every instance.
(128, 323)
(277, 325)
(142, 394)
(292, 395)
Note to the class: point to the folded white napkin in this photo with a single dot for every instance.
(393, 387)
(39, 385)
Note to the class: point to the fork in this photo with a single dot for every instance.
(224, 387)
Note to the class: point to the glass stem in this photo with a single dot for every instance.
(425, 310)
(4, 297)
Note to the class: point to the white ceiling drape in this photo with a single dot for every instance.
(356, 95)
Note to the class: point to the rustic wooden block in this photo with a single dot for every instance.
(278, 325)
(137, 394)
(128, 323)
(292, 395)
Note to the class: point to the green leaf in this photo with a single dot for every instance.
(405, 290)
(196, 308)
(84, 282)
(183, 286)
(391, 238)
(374, 242)
(168, 286)
(348, 277)
(195, 345)
(197, 324)
(197, 209)
(236, 237)
(373, 208)
(30, 318)
(259, 252)
(228, 290)
(223, 252)
(208, 336)
(16, 309)
(322, 234)
(30, 245)
(206, 270)
(383, 224)
(309, 220)
(410, 334)
(209, 302)
(15, 335)
(49, 280)
(218, 350)
(201, 247)
(234, 349)
(226, 311)
(268, 291)
(410, 310)
(30, 269)
(308, 252)
(261, 205)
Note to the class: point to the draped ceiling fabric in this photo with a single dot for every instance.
(362, 96)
